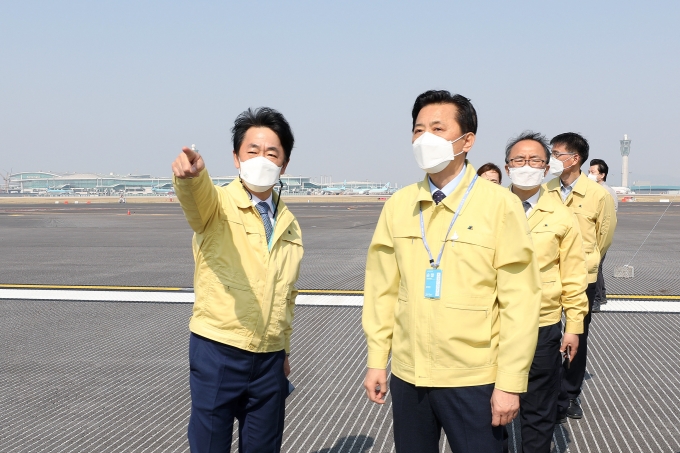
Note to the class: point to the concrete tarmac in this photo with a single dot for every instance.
(102, 245)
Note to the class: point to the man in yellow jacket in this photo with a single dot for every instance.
(452, 292)
(559, 251)
(247, 248)
(594, 210)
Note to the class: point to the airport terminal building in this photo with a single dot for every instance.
(48, 183)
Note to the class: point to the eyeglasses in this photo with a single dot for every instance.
(521, 162)
(555, 154)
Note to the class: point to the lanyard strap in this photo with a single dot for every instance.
(433, 263)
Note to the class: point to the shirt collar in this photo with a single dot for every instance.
(255, 200)
(451, 186)
(533, 199)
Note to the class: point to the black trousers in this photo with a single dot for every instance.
(600, 290)
(538, 406)
(572, 377)
(420, 413)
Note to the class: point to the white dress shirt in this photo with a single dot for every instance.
(451, 186)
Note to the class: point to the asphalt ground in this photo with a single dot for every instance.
(111, 376)
(102, 245)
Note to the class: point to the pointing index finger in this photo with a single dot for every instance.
(190, 153)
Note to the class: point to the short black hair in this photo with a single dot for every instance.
(574, 143)
(466, 116)
(263, 117)
(490, 166)
(602, 167)
(529, 135)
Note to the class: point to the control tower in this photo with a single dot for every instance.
(625, 151)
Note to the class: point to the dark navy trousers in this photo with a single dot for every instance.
(228, 383)
(538, 406)
(572, 377)
(464, 413)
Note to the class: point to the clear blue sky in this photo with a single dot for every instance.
(122, 86)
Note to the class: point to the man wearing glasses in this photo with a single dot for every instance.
(594, 209)
(558, 250)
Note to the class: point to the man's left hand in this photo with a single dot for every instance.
(504, 407)
(570, 341)
(286, 367)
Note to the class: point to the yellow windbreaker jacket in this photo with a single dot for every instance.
(558, 246)
(594, 209)
(484, 327)
(245, 293)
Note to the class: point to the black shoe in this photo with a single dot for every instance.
(561, 417)
(603, 302)
(574, 410)
(596, 308)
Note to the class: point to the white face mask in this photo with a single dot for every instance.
(557, 167)
(434, 153)
(593, 177)
(526, 178)
(259, 174)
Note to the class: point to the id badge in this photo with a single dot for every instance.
(433, 283)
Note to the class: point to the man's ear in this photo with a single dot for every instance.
(237, 163)
(283, 167)
(469, 141)
(507, 169)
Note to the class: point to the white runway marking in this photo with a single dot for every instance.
(177, 297)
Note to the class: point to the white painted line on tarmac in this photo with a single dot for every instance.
(155, 296)
(322, 300)
(329, 300)
(97, 296)
(640, 306)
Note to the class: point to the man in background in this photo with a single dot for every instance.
(594, 209)
(559, 250)
(598, 173)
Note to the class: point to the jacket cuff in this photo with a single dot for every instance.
(286, 345)
(511, 382)
(189, 182)
(377, 359)
(574, 327)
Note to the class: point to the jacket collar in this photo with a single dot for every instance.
(543, 204)
(242, 199)
(581, 184)
(239, 194)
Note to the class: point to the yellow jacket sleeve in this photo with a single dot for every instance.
(574, 278)
(381, 291)
(199, 200)
(519, 300)
(606, 224)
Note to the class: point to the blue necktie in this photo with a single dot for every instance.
(263, 209)
(438, 196)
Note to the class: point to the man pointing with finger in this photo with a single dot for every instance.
(247, 248)
(452, 293)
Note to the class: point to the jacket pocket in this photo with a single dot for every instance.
(463, 335)
(468, 261)
(546, 246)
(231, 305)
